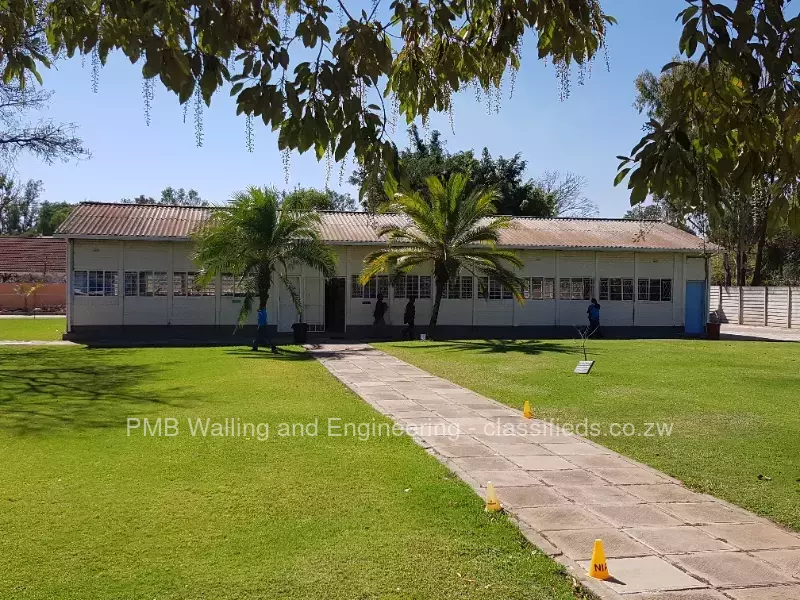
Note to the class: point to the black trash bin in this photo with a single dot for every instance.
(300, 332)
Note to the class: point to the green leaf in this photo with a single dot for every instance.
(621, 175)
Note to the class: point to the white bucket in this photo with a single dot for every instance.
(423, 336)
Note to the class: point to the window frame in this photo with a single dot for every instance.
(653, 290)
(607, 285)
(536, 288)
(575, 288)
(493, 290)
(462, 290)
(419, 286)
(377, 285)
(96, 283)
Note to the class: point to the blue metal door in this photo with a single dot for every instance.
(695, 307)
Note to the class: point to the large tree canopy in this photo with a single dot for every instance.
(317, 77)
(731, 120)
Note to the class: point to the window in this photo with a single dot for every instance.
(576, 288)
(655, 290)
(233, 287)
(539, 288)
(492, 289)
(146, 283)
(616, 288)
(460, 288)
(95, 283)
(376, 285)
(416, 286)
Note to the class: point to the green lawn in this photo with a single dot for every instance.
(734, 406)
(88, 512)
(29, 329)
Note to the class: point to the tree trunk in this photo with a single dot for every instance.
(758, 276)
(440, 283)
(726, 266)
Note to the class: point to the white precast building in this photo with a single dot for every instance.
(131, 272)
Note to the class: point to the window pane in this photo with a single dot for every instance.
(549, 289)
(604, 293)
(588, 288)
(627, 289)
(537, 285)
(146, 283)
(356, 289)
(399, 287)
(110, 287)
(565, 289)
(644, 289)
(161, 283)
(424, 286)
(131, 283)
(80, 283)
(179, 284)
(666, 290)
(383, 285)
(466, 288)
(483, 287)
(507, 293)
(577, 289)
(95, 287)
(495, 290)
(210, 289)
(527, 288)
(227, 284)
(655, 290)
(615, 292)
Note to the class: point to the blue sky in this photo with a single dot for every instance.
(582, 134)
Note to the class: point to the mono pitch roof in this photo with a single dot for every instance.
(91, 220)
(32, 255)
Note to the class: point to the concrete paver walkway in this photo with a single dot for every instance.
(664, 542)
(767, 334)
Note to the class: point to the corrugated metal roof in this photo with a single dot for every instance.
(32, 255)
(131, 221)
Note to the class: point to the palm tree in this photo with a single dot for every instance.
(454, 229)
(254, 239)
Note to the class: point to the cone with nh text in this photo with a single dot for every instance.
(598, 568)
(492, 501)
(527, 412)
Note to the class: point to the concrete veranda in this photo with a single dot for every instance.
(663, 541)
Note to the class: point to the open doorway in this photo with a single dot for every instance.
(334, 305)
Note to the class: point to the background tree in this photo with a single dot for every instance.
(256, 241)
(19, 206)
(452, 228)
(311, 199)
(170, 196)
(318, 78)
(51, 215)
(565, 194)
(515, 194)
(729, 129)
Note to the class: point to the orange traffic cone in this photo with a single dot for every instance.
(598, 568)
(492, 501)
(526, 410)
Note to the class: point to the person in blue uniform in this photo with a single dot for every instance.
(262, 331)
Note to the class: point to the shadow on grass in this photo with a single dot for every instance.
(42, 390)
(530, 347)
(282, 354)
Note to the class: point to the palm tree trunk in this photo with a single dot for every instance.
(440, 283)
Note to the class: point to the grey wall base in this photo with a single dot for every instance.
(211, 334)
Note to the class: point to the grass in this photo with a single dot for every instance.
(733, 405)
(87, 511)
(30, 329)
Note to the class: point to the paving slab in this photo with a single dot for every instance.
(674, 540)
(663, 541)
(647, 574)
(787, 561)
(578, 544)
(636, 515)
(530, 496)
(730, 569)
(754, 536)
(789, 592)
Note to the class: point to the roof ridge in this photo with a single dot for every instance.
(158, 205)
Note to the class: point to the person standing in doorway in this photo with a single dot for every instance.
(262, 331)
(408, 318)
(379, 316)
(594, 317)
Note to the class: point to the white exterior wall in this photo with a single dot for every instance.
(218, 310)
